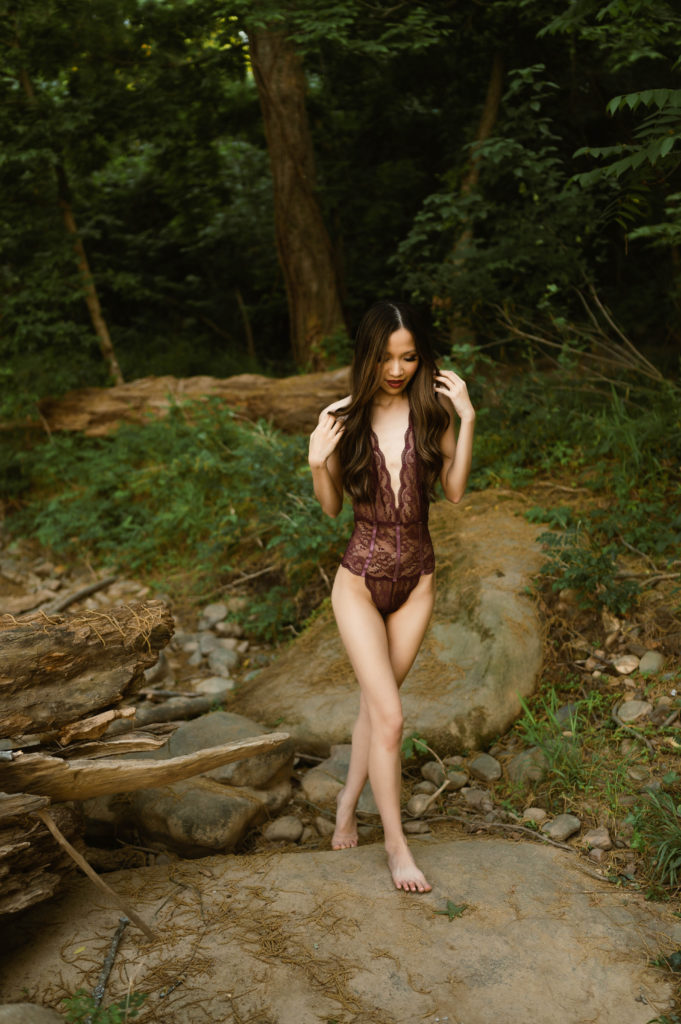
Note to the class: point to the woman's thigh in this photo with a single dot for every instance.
(406, 627)
(365, 638)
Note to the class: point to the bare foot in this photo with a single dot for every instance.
(345, 835)
(406, 875)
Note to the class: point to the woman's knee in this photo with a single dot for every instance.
(387, 727)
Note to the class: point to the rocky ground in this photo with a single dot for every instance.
(525, 827)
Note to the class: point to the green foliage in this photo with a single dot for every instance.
(81, 1008)
(413, 746)
(577, 561)
(657, 835)
(453, 910)
(198, 495)
(574, 745)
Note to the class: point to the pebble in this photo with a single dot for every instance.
(425, 787)
(309, 834)
(416, 828)
(638, 774)
(418, 805)
(528, 766)
(561, 827)
(221, 660)
(215, 686)
(597, 854)
(634, 710)
(455, 761)
(432, 772)
(212, 614)
(485, 767)
(651, 663)
(196, 659)
(566, 714)
(536, 814)
(626, 664)
(190, 647)
(598, 839)
(478, 798)
(324, 826)
(456, 780)
(228, 628)
(319, 787)
(287, 829)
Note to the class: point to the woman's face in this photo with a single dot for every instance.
(399, 363)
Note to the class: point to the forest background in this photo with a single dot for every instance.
(201, 187)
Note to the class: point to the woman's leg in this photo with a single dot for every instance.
(378, 731)
(405, 629)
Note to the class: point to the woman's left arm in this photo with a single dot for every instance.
(457, 453)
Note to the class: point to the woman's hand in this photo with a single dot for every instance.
(454, 388)
(324, 438)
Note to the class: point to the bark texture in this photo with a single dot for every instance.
(291, 403)
(56, 669)
(303, 244)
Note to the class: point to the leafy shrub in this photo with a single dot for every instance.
(81, 1008)
(199, 495)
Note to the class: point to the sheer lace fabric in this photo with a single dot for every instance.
(390, 545)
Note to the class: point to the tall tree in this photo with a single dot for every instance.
(303, 243)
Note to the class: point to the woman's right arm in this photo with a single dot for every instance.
(325, 464)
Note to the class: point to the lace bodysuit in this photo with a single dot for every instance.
(390, 545)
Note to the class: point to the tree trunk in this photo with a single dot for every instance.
(91, 296)
(490, 112)
(303, 244)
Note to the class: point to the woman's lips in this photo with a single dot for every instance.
(394, 383)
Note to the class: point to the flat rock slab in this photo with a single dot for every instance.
(482, 652)
(302, 938)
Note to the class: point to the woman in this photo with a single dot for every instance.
(386, 445)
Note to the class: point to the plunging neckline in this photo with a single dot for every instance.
(395, 498)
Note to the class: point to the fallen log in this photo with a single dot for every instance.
(81, 779)
(31, 866)
(56, 669)
(291, 403)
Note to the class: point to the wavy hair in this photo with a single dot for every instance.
(430, 419)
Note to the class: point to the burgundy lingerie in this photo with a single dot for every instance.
(390, 545)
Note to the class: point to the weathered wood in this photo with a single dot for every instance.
(55, 669)
(81, 779)
(291, 403)
(12, 805)
(31, 866)
(174, 709)
(122, 904)
(129, 743)
(92, 728)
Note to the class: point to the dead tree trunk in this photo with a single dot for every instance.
(91, 297)
(303, 244)
(490, 112)
(57, 668)
(61, 678)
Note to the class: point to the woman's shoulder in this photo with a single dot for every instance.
(336, 407)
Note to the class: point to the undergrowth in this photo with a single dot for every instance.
(199, 499)
(202, 499)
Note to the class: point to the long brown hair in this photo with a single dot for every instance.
(429, 418)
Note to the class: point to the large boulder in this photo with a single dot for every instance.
(511, 933)
(206, 813)
(482, 652)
